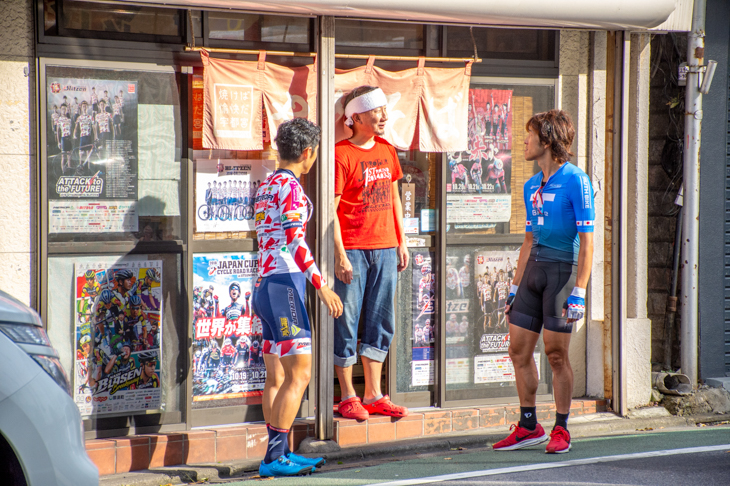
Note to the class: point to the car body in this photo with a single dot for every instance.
(41, 435)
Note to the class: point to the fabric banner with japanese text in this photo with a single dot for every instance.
(238, 92)
(427, 107)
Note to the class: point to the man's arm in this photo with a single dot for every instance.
(343, 267)
(525, 250)
(402, 250)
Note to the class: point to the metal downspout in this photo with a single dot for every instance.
(691, 221)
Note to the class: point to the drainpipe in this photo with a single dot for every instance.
(691, 209)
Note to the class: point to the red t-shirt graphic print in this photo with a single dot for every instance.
(364, 180)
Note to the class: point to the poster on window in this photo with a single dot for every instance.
(227, 343)
(91, 149)
(423, 318)
(478, 182)
(118, 337)
(224, 193)
(459, 303)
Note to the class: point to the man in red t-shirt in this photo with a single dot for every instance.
(370, 250)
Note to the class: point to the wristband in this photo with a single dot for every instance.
(578, 292)
(513, 289)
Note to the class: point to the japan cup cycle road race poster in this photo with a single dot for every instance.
(91, 155)
(118, 337)
(422, 365)
(478, 182)
(225, 191)
(228, 361)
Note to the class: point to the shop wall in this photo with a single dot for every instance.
(666, 123)
(18, 198)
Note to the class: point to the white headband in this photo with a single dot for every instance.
(369, 101)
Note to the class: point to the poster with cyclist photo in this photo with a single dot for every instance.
(91, 129)
(224, 193)
(460, 315)
(493, 274)
(228, 362)
(422, 364)
(478, 183)
(118, 337)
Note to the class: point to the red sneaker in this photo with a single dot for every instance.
(385, 407)
(520, 438)
(559, 441)
(353, 409)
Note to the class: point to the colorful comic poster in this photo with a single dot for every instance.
(92, 149)
(227, 347)
(423, 318)
(479, 189)
(225, 191)
(118, 337)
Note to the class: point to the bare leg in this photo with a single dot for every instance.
(344, 375)
(373, 373)
(274, 380)
(297, 372)
(521, 349)
(556, 349)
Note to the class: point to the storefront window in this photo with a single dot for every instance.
(484, 183)
(258, 28)
(79, 16)
(112, 151)
(513, 44)
(362, 33)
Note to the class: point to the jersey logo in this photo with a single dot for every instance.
(284, 327)
(295, 330)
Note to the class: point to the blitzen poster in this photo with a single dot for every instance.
(227, 347)
(118, 337)
(478, 185)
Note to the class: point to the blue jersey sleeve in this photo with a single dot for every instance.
(528, 206)
(581, 197)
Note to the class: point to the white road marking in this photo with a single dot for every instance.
(552, 465)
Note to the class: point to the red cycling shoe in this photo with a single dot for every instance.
(520, 438)
(559, 441)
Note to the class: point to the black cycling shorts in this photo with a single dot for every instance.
(544, 289)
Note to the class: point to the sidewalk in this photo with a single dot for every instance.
(588, 425)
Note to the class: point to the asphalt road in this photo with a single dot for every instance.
(684, 457)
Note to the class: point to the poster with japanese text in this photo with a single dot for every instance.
(423, 318)
(91, 151)
(478, 182)
(118, 337)
(225, 190)
(493, 274)
(227, 343)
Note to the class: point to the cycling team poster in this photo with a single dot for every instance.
(478, 182)
(422, 361)
(118, 337)
(227, 343)
(92, 155)
(224, 193)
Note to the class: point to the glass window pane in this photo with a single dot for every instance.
(484, 183)
(362, 33)
(477, 285)
(128, 19)
(113, 145)
(259, 28)
(491, 43)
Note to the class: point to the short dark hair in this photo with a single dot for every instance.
(295, 136)
(555, 129)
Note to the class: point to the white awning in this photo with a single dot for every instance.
(583, 14)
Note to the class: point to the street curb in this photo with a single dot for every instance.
(604, 423)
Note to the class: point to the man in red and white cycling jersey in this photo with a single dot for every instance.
(282, 212)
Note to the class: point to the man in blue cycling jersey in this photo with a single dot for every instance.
(549, 285)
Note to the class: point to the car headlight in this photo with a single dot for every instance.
(34, 335)
(54, 369)
(26, 334)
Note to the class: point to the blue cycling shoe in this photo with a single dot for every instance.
(306, 461)
(283, 467)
